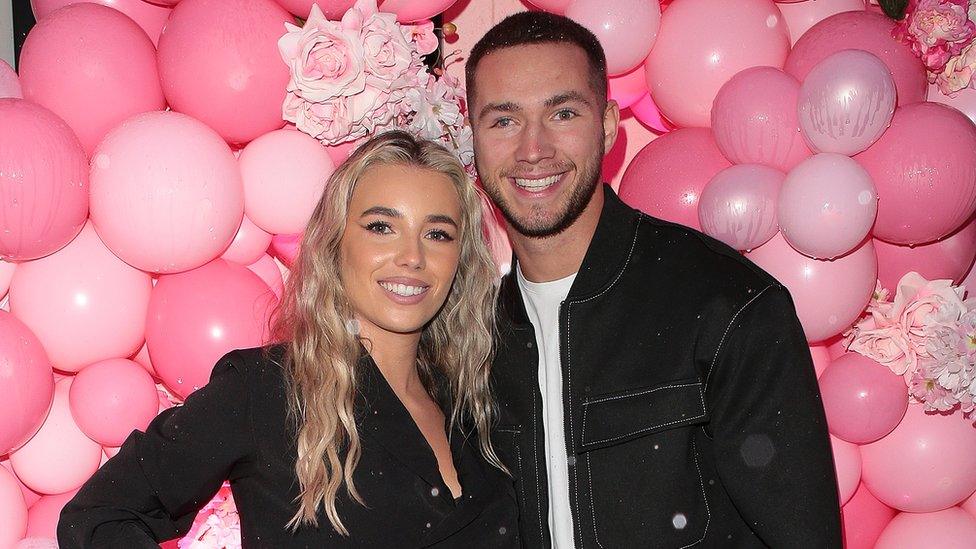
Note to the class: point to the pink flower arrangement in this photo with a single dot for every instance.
(927, 334)
(941, 33)
(216, 525)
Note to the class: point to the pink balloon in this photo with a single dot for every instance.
(197, 316)
(552, 6)
(111, 398)
(42, 517)
(166, 193)
(148, 16)
(30, 496)
(6, 275)
(93, 66)
(284, 173)
(13, 510)
(754, 119)
(625, 28)
(9, 82)
(829, 295)
(861, 30)
(333, 9)
(950, 528)
(949, 258)
(59, 458)
(821, 358)
(218, 59)
(864, 518)
(142, 358)
(248, 245)
(43, 181)
(167, 3)
(925, 172)
(666, 178)
(267, 269)
(928, 463)
(26, 386)
(339, 153)
(827, 206)
(847, 463)
(846, 102)
(647, 113)
(738, 206)
(863, 400)
(800, 16)
(964, 100)
(408, 11)
(83, 303)
(970, 505)
(285, 247)
(627, 89)
(695, 54)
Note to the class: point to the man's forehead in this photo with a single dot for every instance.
(530, 73)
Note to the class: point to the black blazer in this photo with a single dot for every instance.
(236, 428)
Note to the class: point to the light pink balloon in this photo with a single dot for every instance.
(951, 528)
(59, 458)
(800, 16)
(197, 316)
(26, 383)
(695, 54)
(738, 206)
(625, 28)
(627, 89)
(333, 9)
(949, 258)
(861, 30)
(408, 11)
(754, 119)
(846, 102)
(249, 244)
(864, 518)
(142, 358)
(970, 505)
(964, 100)
(552, 6)
(83, 303)
(166, 192)
(285, 247)
(339, 153)
(42, 517)
(847, 463)
(647, 113)
(267, 269)
(829, 295)
(925, 172)
(9, 82)
(821, 358)
(13, 510)
(30, 496)
(111, 398)
(6, 275)
(926, 464)
(827, 205)
(43, 181)
(149, 16)
(863, 400)
(284, 173)
(667, 177)
(219, 63)
(93, 66)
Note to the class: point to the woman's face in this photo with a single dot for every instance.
(400, 248)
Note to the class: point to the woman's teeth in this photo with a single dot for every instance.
(536, 184)
(403, 289)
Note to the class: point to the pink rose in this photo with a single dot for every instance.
(957, 74)
(422, 34)
(937, 30)
(324, 59)
(388, 52)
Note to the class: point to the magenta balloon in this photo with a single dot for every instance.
(13, 510)
(197, 316)
(738, 206)
(627, 89)
(625, 28)
(695, 54)
(43, 181)
(846, 102)
(249, 244)
(950, 528)
(861, 30)
(829, 295)
(800, 16)
(949, 258)
(285, 247)
(552, 6)
(863, 400)
(924, 169)
(84, 303)
(754, 119)
(847, 464)
(9, 82)
(93, 66)
(111, 398)
(647, 113)
(149, 16)
(219, 59)
(166, 193)
(666, 178)
(864, 518)
(827, 205)
(333, 9)
(408, 11)
(26, 386)
(928, 463)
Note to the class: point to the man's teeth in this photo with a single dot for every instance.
(536, 184)
(403, 289)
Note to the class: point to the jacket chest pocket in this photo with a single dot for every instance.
(638, 475)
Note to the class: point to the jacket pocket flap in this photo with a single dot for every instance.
(618, 417)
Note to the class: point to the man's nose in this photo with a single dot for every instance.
(535, 144)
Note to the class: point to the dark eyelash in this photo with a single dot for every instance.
(443, 235)
(373, 225)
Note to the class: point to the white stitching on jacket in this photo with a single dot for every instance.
(701, 482)
(718, 350)
(701, 396)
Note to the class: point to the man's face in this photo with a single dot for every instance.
(540, 133)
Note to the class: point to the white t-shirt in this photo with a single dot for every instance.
(542, 301)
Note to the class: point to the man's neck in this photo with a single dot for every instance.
(560, 255)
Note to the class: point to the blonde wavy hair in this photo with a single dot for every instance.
(321, 354)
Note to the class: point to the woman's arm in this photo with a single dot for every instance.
(154, 487)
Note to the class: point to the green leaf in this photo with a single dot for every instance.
(894, 9)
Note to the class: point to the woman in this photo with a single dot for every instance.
(368, 426)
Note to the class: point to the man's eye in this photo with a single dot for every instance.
(566, 114)
(379, 227)
(502, 123)
(438, 234)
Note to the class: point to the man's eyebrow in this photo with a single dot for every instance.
(382, 210)
(507, 106)
(442, 218)
(566, 97)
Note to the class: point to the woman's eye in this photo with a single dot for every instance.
(440, 235)
(379, 227)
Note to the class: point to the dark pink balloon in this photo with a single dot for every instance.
(43, 181)
(924, 168)
(627, 89)
(111, 398)
(27, 383)
(738, 206)
(666, 178)
(861, 30)
(647, 113)
(964, 100)
(285, 247)
(864, 518)
(408, 11)
(949, 258)
(863, 400)
(333, 9)
(150, 16)
(950, 528)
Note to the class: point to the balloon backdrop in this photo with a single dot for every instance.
(26, 386)
(409, 11)
(628, 88)
(802, 15)
(862, 399)
(111, 398)
(42, 517)
(951, 528)
(625, 28)
(864, 518)
(149, 16)
(738, 206)
(13, 509)
(950, 258)
(333, 9)
(248, 245)
(9, 82)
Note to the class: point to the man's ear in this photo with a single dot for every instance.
(611, 123)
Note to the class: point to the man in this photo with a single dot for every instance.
(655, 388)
